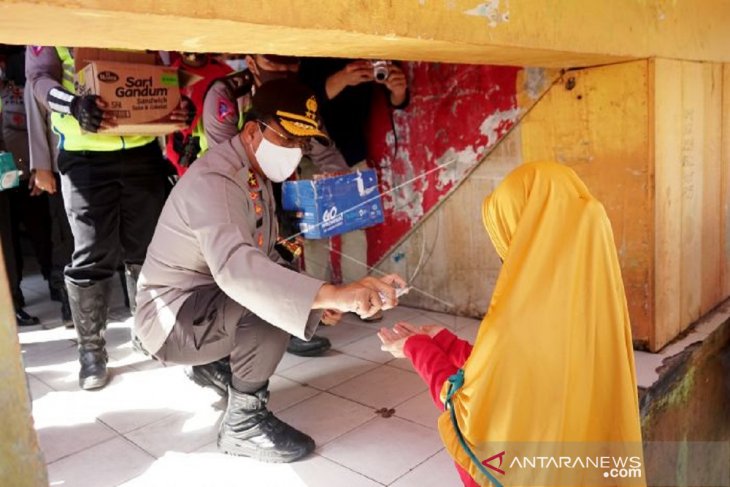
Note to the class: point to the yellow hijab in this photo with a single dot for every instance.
(553, 360)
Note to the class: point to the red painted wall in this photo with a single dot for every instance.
(457, 113)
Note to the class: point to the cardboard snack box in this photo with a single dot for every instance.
(85, 55)
(335, 205)
(142, 96)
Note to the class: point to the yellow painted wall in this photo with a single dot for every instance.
(690, 257)
(21, 462)
(559, 33)
(651, 139)
(600, 128)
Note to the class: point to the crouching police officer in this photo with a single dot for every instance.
(213, 285)
(225, 105)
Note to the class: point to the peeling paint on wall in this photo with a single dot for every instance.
(456, 115)
(535, 82)
(491, 11)
(497, 124)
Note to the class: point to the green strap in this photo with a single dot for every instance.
(455, 383)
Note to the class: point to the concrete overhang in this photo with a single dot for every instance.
(557, 33)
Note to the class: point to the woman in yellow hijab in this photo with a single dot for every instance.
(551, 374)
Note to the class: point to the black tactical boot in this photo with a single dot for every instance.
(89, 306)
(249, 429)
(216, 375)
(316, 346)
(131, 274)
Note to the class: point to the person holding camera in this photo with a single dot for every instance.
(348, 89)
(213, 284)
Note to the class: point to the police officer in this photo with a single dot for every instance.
(43, 151)
(113, 188)
(213, 284)
(224, 107)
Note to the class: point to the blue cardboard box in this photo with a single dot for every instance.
(336, 205)
(9, 173)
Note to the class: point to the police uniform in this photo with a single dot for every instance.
(224, 108)
(213, 282)
(113, 189)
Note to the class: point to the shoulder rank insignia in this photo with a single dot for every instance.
(253, 183)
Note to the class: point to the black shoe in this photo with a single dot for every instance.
(89, 307)
(249, 429)
(215, 375)
(24, 319)
(316, 346)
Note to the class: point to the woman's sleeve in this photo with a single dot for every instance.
(431, 363)
(458, 350)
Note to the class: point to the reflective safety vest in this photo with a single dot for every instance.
(67, 127)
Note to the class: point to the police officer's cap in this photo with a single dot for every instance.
(293, 105)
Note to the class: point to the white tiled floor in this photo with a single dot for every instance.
(151, 426)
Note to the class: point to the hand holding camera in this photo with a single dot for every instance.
(397, 84)
(351, 75)
(380, 71)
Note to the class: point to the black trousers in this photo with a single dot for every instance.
(113, 201)
(32, 212)
(61, 237)
(8, 250)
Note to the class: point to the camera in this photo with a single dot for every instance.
(381, 70)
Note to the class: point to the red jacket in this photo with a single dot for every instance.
(436, 359)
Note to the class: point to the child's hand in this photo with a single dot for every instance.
(430, 330)
(393, 341)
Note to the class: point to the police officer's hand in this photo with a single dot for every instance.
(91, 113)
(385, 287)
(42, 180)
(331, 317)
(365, 297)
(347, 298)
(185, 112)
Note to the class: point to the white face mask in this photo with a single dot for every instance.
(278, 163)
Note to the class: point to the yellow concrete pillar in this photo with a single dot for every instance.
(21, 461)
